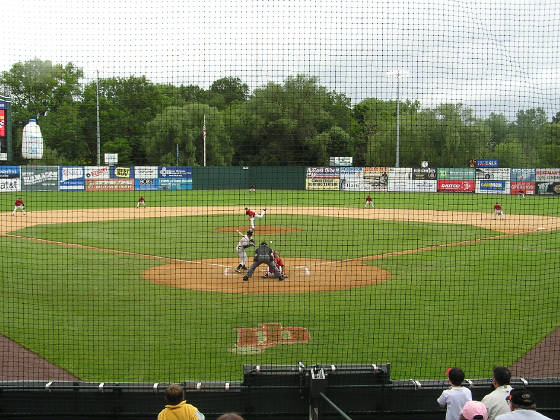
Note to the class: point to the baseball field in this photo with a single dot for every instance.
(105, 291)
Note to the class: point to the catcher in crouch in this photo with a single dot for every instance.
(264, 255)
(279, 265)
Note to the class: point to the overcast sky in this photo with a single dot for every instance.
(494, 56)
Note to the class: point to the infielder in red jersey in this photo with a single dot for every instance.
(369, 202)
(252, 216)
(498, 211)
(19, 205)
(279, 265)
(141, 202)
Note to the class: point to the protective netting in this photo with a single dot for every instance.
(212, 110)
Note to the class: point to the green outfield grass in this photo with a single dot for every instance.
(92, 312)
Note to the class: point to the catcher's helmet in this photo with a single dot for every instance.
(249, 232)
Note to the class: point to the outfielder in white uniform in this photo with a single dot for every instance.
(245, 242)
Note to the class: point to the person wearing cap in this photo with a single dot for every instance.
(522, 405)
(495, 401)
(456, 396)
(474, 410)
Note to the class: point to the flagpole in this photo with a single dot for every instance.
(204, 138)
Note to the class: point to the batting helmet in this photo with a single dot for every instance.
(249, 232)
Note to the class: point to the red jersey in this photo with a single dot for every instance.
(141, 200)
(279, 262)
(497, 207)
(250, 213)
(19, 202)
(368, 199)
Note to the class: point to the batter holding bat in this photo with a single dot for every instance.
(245, 242)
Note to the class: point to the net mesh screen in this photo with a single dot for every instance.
(402, 158)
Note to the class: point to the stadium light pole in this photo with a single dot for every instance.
(398, 74)
(98, 130)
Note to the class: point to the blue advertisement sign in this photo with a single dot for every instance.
(175, 184)
(9, 172)
(146, 184)
(71, 178)
(175, 172)
(523, 174)
(487, 163)
(491, 185)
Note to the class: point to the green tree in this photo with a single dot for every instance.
(181, 127)
(48, 92)
(230, 89)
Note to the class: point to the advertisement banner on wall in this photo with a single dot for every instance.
(424, 173)
(548, 188)
(10, 184)
(125, 184)
(39, 178)
(424, 185)
(351, 179)
(377, 177)
(322, 183)
(489, 186)
(498, 174)
(516, 187)
(458, 174)
(71, 178)
(486, 163)
(455, 186)
(117, 172)
(547, 175)
(8, 172)
(399, 185)
(168, 184)
(523, 174)
(400, 173)
(96, 172)
(175, 172)
(145, 172)
(323, 172)
(146, 184)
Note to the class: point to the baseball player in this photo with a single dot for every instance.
(19, 205)
(252, 216)
(279, 265)
(498, 211)
(252, 188)
(245, 242)
(141, 202)
(263, 255)
(369, 202)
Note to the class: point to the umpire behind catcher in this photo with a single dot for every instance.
(263, 255)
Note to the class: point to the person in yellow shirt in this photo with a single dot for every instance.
(177, 408)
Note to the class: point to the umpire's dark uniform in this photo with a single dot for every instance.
(263, 255)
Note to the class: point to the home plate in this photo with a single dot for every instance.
(305, 269)
(541, 228)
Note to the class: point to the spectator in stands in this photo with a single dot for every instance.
(177, 408)
(495, 401)
(456, 396)
(474, 410)
(522, 405)
(230, 416)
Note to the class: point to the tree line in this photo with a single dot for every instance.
(297, 122)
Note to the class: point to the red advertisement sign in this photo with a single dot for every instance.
(455, 186)
(109, 184)
(2, 123)
(516, 187)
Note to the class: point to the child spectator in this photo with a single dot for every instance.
(456, 396)
(177, 408)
